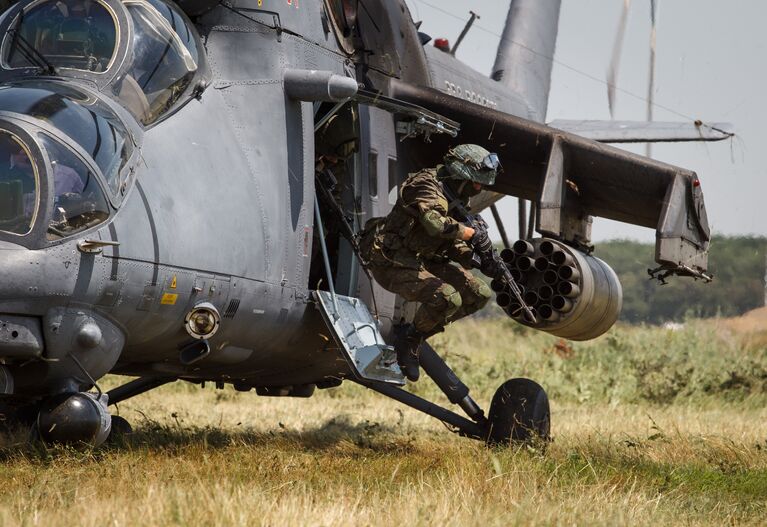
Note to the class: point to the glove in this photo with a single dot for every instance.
(490, 267)
(481, 242)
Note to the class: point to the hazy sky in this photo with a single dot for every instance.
(710, 66)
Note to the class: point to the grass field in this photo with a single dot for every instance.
(650, 426)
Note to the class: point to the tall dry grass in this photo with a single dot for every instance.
(649, 428)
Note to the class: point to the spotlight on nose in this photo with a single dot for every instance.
(203, 321)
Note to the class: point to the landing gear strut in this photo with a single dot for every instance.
(519, 411)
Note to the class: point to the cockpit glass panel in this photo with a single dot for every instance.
(78, 201)
(19, 191)
(83, 118)
(179, 24)
(162, 70)
(76, 34)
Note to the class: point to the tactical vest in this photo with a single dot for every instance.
(397, 238)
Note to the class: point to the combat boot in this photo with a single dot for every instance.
(407, 341)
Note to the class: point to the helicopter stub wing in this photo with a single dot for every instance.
(572, 178)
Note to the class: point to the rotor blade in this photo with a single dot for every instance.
(645, 132)
(612, 71)
(651, 82)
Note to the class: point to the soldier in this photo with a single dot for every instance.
(409, 252)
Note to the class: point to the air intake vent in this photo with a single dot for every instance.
(231, 309)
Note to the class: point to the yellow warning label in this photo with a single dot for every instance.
(173, 282)
(169, 299)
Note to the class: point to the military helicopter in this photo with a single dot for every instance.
(162, 215)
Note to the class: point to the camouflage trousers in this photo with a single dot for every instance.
(446, 292)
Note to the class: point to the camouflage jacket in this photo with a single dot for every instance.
(417, 228)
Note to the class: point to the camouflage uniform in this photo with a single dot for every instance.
(410, 250)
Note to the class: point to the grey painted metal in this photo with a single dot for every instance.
(644, 131)
(358, 335)
(314, 85)
(412, 120)
(597, 304)
(521, 217)
(459, 80)
(20, 337)
(526, 52)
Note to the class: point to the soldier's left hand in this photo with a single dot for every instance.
(490, 267)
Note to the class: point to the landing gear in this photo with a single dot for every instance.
(519, 413)
(73, 418)
(120, 428)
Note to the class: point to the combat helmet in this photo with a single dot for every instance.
(472, 163)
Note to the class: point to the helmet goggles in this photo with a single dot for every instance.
(491, 162)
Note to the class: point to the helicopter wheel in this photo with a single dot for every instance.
(120, 428)
(519, 413)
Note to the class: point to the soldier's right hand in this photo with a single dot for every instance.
(468, 233)
(481, 242)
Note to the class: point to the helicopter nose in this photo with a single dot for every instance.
(8, 246)
(19, 272)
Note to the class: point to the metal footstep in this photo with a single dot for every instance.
(357, 333)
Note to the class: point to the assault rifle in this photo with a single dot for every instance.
(485, 249)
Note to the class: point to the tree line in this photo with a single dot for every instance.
(738, 266)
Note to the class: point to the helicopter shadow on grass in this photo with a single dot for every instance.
(335, 434)
(375, 436)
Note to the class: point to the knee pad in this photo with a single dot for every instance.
(450, 298)
(477, 295)
(484, 293)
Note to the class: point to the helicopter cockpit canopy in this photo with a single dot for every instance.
(64, 159)
(144, 53)
(74, 34)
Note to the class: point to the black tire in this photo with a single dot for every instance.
(519, 413)
(120, 428)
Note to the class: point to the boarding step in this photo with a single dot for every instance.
(357, 333)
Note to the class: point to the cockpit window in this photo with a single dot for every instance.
(78, 201)
(180, 24)
(163, 67)
(19, 191)
(76, 34)
(83, 118)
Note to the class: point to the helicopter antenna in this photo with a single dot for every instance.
(474, 16)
